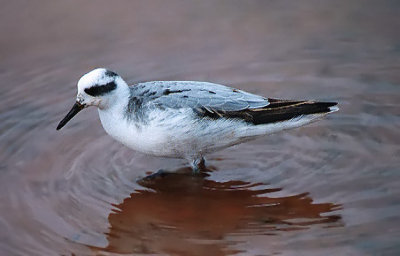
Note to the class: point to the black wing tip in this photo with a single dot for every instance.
(276, 111)
(328, 104)
(285, 110)
(327, 107)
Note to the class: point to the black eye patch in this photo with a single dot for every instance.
(98, 90)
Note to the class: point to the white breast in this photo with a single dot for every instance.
(145, 139)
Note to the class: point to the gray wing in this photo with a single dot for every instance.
(196, 95)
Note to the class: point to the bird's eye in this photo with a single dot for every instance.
(98, 90)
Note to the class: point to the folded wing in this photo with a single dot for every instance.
(215, 101)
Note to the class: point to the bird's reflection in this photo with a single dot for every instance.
(181, 214)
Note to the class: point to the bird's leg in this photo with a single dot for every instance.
(198, 164)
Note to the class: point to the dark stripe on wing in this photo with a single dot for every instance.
(98, 90)
(276, 111)
(168, 91)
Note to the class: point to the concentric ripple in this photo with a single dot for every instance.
(330, 188)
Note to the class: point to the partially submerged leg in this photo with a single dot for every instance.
(198, 165)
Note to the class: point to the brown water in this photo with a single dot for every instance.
(331, 188)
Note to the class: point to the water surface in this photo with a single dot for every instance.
(331, 188)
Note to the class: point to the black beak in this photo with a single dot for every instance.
(74, 110)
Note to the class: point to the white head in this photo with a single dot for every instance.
(100, 87)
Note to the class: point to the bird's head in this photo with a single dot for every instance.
(100, 87)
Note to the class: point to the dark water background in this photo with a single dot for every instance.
(331, 188)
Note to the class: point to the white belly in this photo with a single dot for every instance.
(167, 134)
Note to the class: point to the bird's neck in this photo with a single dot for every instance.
(117, 103)
(113, 117)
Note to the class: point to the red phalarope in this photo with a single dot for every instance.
(186, 119)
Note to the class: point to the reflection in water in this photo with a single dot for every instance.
(56, 189)
(184, 214)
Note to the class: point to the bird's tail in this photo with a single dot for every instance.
(285, 110)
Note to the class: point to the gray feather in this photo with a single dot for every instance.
(188, 94)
